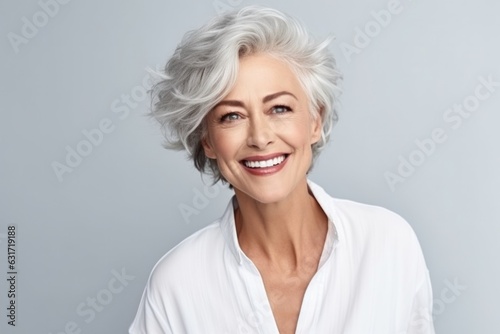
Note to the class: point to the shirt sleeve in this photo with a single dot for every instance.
(149, 318)
(421, 321)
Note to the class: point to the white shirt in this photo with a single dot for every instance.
(371, 279)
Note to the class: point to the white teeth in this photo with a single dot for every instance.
(265, 163)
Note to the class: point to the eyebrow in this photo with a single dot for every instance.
(236, 103)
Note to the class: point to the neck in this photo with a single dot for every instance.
(287, 234)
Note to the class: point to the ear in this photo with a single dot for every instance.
(317, 126)
(208, 148)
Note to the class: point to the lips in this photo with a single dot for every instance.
(264, 163)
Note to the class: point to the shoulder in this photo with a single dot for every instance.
(371, 220)
(369, 216)
(189, 259)
(178, 281)
(351, 213)
(377, 230)
(362, 222)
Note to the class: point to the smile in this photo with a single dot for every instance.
(265, 163)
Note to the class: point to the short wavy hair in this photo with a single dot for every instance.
(204, 67)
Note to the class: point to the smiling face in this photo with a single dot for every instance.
(261, 133)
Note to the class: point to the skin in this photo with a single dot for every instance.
(279, 224)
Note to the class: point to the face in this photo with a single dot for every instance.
(261, 133)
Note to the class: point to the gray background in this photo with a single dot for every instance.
(120, 208)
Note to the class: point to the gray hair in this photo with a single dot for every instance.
(204, 67)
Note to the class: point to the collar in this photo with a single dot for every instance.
(228, 226)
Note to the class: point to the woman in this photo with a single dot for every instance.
(251, 97)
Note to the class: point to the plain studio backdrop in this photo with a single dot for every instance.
(96, 201)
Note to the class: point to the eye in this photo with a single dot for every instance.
(229, 117)
(281, 109)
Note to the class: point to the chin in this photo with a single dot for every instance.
(266, 194)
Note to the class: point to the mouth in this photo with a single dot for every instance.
(265, 163)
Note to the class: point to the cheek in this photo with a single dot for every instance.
(298, 132)
(224, 144)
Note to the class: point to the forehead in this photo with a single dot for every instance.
(262, 74)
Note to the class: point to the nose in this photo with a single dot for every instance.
(260, 132)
